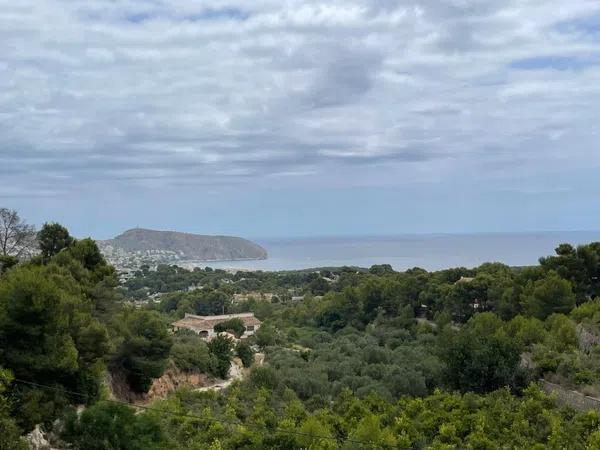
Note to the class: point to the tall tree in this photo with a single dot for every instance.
(580, 266)
(221, 347)
(143, 352)
(548, 296)
(481, 363)
(17, 238)
(48, 335)
(53, 238)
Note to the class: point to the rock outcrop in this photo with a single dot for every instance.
(587, 337)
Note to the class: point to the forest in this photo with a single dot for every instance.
(355, 358)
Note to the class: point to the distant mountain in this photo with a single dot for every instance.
(182, 246)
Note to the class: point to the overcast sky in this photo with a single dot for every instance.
(280, 118)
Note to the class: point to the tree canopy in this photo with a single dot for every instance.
(349, 358)
(53, 238)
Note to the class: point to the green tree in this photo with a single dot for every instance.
(144, 348)
(369, 430)
(266, 336)
(53, 238)
(562, 335)
(245, 353)
(9, 431)
(6, 262)
(465, 294)
(526, 331)
(87, 253)
(113, 426)
(233, 326)
(48, 334)
(94, 275)
(548, 296)
(381, 269)
(581, 266)
(221, 348)
(481, 363)
(264, 377)
(588, 312)
(319, 286)
(312, 426)
(190, 352)
(482, 324)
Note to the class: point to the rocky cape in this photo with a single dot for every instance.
(181, 246)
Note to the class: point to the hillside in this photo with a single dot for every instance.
(183, 246)
(375, 359)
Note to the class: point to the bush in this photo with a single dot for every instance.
(264, 377)
(233, 326)
(265, 336)
(9, 437)
(562, 335)
(245, 353)
(112, 426)
(144, 350)
(481, 363)
(526, 331)
(220, 348)
(190, 353)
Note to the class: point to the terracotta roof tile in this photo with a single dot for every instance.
(197, 323)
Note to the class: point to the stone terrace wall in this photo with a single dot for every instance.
(574, 399)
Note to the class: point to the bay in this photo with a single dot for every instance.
(428, 251)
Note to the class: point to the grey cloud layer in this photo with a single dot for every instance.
(181, 92)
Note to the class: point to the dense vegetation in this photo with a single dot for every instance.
(354, 358)
(63, 324)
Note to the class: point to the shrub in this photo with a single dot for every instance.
(245, 353)
(144, 350)
(190, 353)
(264, 377)
(481, 363)
(113, 426)
(220, 347)
(233, 326)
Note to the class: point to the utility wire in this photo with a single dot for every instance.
(194, 416)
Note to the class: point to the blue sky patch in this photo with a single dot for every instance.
(219, 14)
(140, 17)
(553, 62)
(587, 25)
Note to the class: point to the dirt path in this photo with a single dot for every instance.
(236, 372)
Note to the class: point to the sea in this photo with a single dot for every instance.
(428, 251)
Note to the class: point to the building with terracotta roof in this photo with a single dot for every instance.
(205, 325)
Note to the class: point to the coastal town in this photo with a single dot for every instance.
(126, 262)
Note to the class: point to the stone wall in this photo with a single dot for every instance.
(574, 399)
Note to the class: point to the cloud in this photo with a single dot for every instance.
(156, 93)
(555, 62)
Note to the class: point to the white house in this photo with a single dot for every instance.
(205, 325)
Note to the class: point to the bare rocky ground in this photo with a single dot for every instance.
(174, 379)
(161, 388)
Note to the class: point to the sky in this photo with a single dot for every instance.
(273, 118)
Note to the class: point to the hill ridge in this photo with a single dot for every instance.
(180, 245)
